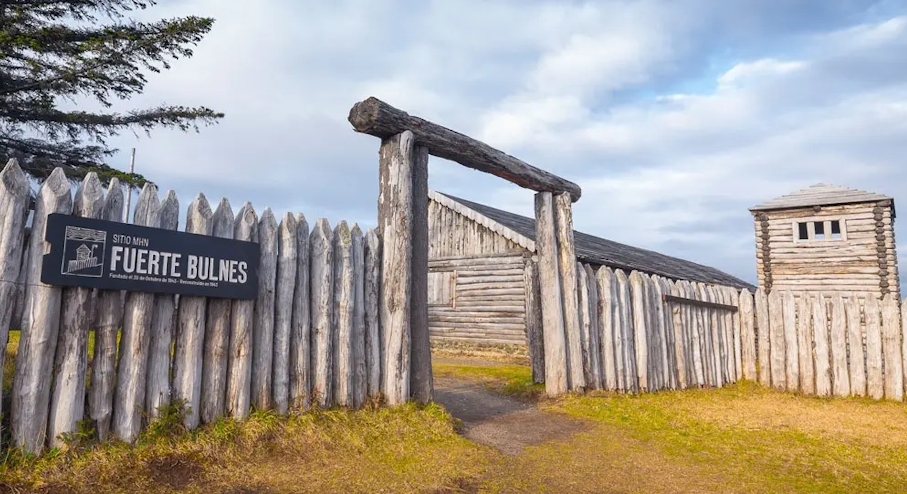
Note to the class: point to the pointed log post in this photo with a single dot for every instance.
(14, 199)
(301, 336)
(109, 320)
(132, 368)
(776, 339)
(321, 243)
(747, 335)
(67, 398)
(640, 330)
(891, 348)
(566, 258)
(605, 282)
(823, 357)
(163, 326)
(805, 345)
(763, 337)
(40, 325)
(357, 354)
(217, 332)
(263, 331)
(534, 334)
(840, 378)
(188, 352)
(624, 336)
(792, 353)
(395, 221)
(857, 370)
(287, 264)
(681, 342)
(242, 319)
(421, 382)
(342, 330)
(372, 312)
(556, 380)
(875, 386)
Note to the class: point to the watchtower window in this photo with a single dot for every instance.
(819, 230)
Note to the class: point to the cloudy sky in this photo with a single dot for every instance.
(673, 116)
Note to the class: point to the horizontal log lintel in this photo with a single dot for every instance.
(375, 117)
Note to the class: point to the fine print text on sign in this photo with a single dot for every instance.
(118, 256)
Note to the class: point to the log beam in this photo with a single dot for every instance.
(375, 117)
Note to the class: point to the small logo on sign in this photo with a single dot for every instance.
(83, 252)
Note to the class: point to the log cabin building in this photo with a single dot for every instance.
(827, 238)
(481, 261)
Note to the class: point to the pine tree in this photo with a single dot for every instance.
(53, 51)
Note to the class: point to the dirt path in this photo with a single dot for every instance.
(500, 421)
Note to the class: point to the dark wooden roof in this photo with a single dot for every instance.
(603, 252)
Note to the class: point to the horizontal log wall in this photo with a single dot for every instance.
(635, 339)
(288, 350)
(831, 343)
(478, 299)
(864, 261)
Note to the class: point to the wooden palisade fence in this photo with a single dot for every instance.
(311, 338)
(830, 344)
(642, 333)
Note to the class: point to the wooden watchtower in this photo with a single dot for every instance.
(827, 238)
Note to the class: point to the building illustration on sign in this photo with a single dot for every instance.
(83, 252)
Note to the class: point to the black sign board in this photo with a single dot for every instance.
(119, 256)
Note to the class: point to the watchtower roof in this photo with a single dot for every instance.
(822, 195)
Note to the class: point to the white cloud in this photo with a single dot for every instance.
(590, 90)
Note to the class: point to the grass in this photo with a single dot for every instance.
(743, 438)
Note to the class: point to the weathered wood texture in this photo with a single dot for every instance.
(263, 329)
(862, 259)
(14, 199)
(217, 332)
(316, 299)
(566, 259)
(242, 321)
(163, 325)
(395, 223)
(132, 367)
(40, 326)
(533, 312)
(421, 382)
(555, 342)
(285, 289)
(67, 399)
(375, 117)
(188, 352)
(845, 345)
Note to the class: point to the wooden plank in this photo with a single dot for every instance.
(625, 351)
(556, 381)
(657, 309)
(776, 340)
(301, 327)
(263, 328)
(734, 326)
(342, 331)
(695, 330)
(163, 326)
(587, 299)
(711, 343)
(856, 362)
(607, 322)
(533, 312)
(594, 333)
(216, 343)
(40, 326)
(372, 310)
(640, 329)
(875, 386)
(891, 348)
(357, 354)
(421, 381)
(395, 220)
(792, 352)
(67, 398)
(14, 201)
(805, 340)
(820, 337)
(138, 315)
(188, 353)
(284, 295)
(375, 117)
(838, 346)
(321, 242)
(680, 337)
(566, 257)
(107, 327)
(242, 320)
(747, 335)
